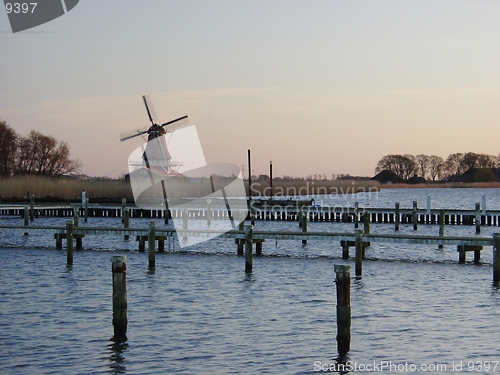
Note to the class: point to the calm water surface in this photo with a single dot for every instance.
(199, 313)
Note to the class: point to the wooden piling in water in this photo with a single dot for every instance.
(441, 227)
(415, 215)
(356, 215)
(69, 242)
(359, 253)
(118, 268)
(32, 207)
(185, 225)
(304, 226)
(478, 218)
(240, 242)
(398, 217)
(496, 258)
(124, 206)
(167, 211)
(26, 219)
(248, 248)
(86, 210)
(151, 244)
(343, 282)
(126, 222)
(366, 223)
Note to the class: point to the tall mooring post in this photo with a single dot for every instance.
(124, 206)
(70, 226)
(359, 252)
(397, 218)
(240, 242)
(366, 223)
(496, 258)
(304, 225)
(248, 248)
(26, 219)
(343, 281)
(441, 227)
(356, 215)
(415, 215)
(32, 207)
(151, 244)
(119, 268)
(478, 218)
(166, 214)
(126, 222)
(86, 210)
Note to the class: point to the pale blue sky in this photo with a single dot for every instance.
(315, 86)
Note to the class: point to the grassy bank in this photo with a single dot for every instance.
(42, 187)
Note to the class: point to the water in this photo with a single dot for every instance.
(198, 312)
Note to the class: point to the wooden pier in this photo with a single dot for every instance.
(284, 212)
(359, 239)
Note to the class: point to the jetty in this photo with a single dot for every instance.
(280, 210)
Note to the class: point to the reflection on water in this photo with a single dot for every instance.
(117, 348)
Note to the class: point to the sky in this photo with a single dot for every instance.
(316, 87)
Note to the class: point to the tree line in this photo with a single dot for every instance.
(435, 168)
(35, 154)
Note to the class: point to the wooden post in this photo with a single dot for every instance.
(483, 204)
(366, 222)
(185, 225)
(415, 215)
(26, 219)
(496, 258)
(461, 254)
(76, 218)
(248, 248)
(151, 244)
(359, 253)
(209, 212)
(478, 218)
(86, 210)
(343, 281)
(124, 206)
(119, 268)
(271, 177)
(240, 241)
(356, 217)
(126, 222)
(167, 211)
(70, 226)
(249, 176)
(441, 227)
(304, 226)
(428, 205)
(32, 207)
(345, 249)
(397, 217)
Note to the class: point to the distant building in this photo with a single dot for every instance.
(387, 177)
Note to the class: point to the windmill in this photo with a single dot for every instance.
(156, 155)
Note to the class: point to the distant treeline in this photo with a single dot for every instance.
(35, 154)
(435, 168)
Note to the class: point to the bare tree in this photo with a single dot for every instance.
(8, 148)
(43, 155)
(423, 164)
(404, 166)
(436, 167)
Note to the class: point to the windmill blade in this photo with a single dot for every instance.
(150, 108)
(178, 123)
(133, 134)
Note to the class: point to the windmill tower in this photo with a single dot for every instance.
(156, 156)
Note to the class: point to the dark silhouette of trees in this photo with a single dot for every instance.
(435, 168)
(8, 148)
(42, 155)
(36, 154)
(405, 166)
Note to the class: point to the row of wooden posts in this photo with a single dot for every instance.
(343, 289)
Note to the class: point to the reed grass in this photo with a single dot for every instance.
(41, 187)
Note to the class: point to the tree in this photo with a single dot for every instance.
(8, 148)
(42, 155)
(423, 162)
(404, 166)
(436, 167)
